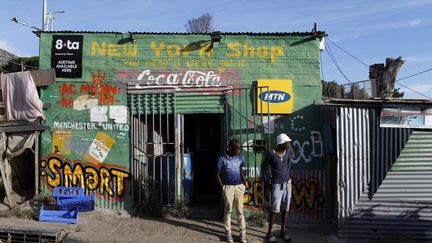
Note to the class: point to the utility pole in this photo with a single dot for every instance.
(44, 15)
(47, 19)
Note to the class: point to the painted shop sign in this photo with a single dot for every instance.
(66, 55)
(163, 49)
(182, 78)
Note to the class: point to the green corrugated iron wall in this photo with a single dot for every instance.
(417, 155)
(151, 103)
(193, 104)
(118, 59)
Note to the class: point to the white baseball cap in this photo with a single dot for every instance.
(283, 138)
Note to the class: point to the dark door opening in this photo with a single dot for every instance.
(203, 139)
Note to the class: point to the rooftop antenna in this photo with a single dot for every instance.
(48, 18)
(44, 15)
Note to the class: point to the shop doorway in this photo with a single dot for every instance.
(203, 136)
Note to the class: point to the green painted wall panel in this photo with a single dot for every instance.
(234, 62)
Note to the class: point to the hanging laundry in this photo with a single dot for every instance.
(20, 97)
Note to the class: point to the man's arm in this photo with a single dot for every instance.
(242, 172)
(265, 169)
(218, 170)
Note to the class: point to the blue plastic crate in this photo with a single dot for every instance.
(67, 192)
(83, 203)
(60, 216)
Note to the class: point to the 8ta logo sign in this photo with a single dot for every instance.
(66, 55)
(60, 44)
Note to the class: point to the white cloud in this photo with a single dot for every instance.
(421, 87)
(417, 59)
(415, 22)
(7, 46)
(424, 89)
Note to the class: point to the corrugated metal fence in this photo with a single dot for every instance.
(387, 143)
(365, 153)
(353, 152)
(383, 179)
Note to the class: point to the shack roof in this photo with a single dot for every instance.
(373, 102)
(314, 33)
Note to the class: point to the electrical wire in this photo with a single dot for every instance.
(351, 55)
(413, 90)
(410, 76)
(415, 74)
(333, 58)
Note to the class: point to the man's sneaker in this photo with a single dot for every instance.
(243, 237)
(270, 239)
(229, 238)
(285, 237)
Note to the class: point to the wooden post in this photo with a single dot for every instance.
(36, 162)
(7, 187)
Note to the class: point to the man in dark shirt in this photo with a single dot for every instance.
(229, 175)
(279, 176)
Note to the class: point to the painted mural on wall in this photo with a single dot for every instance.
(87, 145)
(90, 121)
(108, 180)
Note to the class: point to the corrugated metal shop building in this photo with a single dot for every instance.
(131, 109)
(384, 167)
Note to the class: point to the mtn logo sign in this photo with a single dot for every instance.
(279, 96)
(275, 96)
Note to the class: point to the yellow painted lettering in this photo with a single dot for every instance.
(173, 50)
(248, 50)
(156, 49)
(105, 178)
(276, 51)
(120, 181)
(54, 177)
(113, 50)
(92, 178)
(262, 52)
(100, 49)
(130, 50)
(204, 49)
(186, 50)
(73, 177)
(233, 46)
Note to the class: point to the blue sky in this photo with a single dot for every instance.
(370, 30)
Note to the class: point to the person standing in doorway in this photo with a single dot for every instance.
(229, 175)
(276, 172)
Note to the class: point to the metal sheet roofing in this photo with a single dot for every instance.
(317, 33)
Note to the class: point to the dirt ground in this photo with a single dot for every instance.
(100, 227)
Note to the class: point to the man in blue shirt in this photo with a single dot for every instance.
(229, 175)
(276, 170)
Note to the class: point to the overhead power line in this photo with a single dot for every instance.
(364, 63)
(347, 52)
(415, 74)
(333, 58)
(415, 91)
